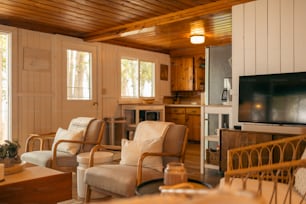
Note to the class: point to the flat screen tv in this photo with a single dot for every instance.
(273, 98)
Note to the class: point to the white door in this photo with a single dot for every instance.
(80, 75)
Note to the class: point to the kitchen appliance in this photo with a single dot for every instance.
(226, 96)
(153, 115)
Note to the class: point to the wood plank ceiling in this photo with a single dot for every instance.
(155, 25)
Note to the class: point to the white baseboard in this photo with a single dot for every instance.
(297, 130)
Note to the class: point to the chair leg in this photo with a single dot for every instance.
(88, 194)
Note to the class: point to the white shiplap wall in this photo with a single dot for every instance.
(269, 36)
(37, 93)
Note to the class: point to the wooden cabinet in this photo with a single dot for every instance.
(189, 116)
(187, 74)
(236, 138)
(176, 115)
(182, 74)
(193, 122)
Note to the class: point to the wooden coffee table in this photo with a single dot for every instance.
(36, 185)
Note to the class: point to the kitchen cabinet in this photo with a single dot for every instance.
(189, 116)
(230, 139)
(187, 73)
(193, 122)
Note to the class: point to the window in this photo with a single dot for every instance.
(79, 79)
(4, 86)
(137, 78)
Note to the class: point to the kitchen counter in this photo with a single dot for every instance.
(183, 105)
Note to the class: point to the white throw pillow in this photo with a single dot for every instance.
(63, 134)
(300, 178)
(132, 150)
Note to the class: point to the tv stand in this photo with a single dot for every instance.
(276, 128)
(231, 138)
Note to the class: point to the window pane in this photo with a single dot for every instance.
(129, 78)
(146, 79)
(4, 87)
(79, 79)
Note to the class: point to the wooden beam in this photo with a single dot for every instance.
(143, 25)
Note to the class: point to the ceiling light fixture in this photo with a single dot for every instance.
(197, 39)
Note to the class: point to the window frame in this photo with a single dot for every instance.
(139, 59)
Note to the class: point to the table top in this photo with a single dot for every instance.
(152, 186)
(29, 174)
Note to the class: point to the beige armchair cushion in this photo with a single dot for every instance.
(132, 150)
(119, 179)
(63, 134)
(43, 158)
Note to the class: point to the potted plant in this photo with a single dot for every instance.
(9, 153)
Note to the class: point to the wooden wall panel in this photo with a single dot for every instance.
(249, 38)
(274, 36)
(287, 22)
(237, 54)
(34, 84)
(261, 37)
(299, 35)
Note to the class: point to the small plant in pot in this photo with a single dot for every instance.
(9, 153)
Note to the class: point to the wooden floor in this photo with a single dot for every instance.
(192, 164)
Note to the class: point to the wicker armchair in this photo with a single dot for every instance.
(269, 169)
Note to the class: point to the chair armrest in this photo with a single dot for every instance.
(55, 146)
(146, 154)
(40, 137)
(100, 147)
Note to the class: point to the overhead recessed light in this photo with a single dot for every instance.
(197, 39)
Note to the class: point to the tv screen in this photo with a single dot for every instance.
(273, 98)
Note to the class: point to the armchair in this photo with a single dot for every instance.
(82, 134)
(121, 179)
(275, 170)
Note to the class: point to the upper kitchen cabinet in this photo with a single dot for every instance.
(187, 73)
(182, 74)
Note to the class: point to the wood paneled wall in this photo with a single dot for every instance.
(34, 83)
(269, 36)
(37, 87)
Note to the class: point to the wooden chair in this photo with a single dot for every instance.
(120, 180)
(274, 170)
(62, 160)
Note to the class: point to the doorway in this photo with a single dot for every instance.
(79, 87)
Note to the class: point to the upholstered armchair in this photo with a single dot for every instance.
(81, 136)
(154, 145)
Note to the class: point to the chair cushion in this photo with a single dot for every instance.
(43, 158)
(132, 150)
(63, 134)
(92, 134)
(118, 179)
(173, 142)
(149, 137)
(300, 178)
